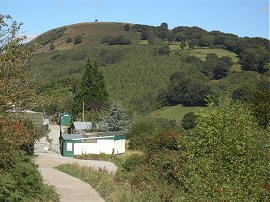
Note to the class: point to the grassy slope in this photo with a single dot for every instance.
(91, 33)
(138, 77)
(175, 112)
(203, 52)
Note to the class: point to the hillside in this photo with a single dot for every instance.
(138, 74)
(91, 34)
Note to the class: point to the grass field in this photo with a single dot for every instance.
(203, 52)
(143, 42)
(174, 113)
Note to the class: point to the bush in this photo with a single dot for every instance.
(243, 93)
(133, 162)
(126, 27)
(189, 121)
(24, 183)
(116, 40)
(146, 129)
(164, 50)
(77, 40)
(52, 46)
(229, 156)
(106, 39)
(68, 40)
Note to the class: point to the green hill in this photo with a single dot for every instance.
(135, 74)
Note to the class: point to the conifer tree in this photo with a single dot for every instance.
(116, 119)
(92, 89)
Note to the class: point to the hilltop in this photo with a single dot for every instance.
(91, 33)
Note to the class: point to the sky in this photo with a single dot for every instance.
(241, 17)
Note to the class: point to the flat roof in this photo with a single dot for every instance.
(94, 135)
(82, 125)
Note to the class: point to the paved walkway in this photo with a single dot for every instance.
(69, 188)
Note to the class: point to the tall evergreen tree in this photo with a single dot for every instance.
(92, 89)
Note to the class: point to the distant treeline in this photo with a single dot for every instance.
(253, 52)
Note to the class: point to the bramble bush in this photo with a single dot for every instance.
(23, 182)
(229, 156)
(225, 157)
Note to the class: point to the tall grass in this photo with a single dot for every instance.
(107, 184)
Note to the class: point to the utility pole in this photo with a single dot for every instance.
(83, 110)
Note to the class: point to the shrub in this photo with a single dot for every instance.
(106, 39)
(52, 46)
(145, 130)
(164, 50)
(126, 27)
(115, 40)
(119, 40)
(229, 156)
(133, 162)
(68, 40)
(24, 183)
(77, 40)
(243, 93)
(189, 121)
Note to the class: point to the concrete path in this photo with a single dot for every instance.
(69, 188)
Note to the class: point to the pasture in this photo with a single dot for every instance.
(175, 112)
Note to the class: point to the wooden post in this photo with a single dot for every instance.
(83, 111)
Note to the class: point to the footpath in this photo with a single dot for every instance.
(69, 188)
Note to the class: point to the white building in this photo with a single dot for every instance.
(92, 143)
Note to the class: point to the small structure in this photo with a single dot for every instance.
(92, 143)
(81, 127)
(64, 119)
(46, 123)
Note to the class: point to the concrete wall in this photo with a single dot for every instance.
(102, 146)
(106, 146)
(119, 146)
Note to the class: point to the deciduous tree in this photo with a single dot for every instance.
(16, 88)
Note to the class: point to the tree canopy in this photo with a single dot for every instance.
(92, 89)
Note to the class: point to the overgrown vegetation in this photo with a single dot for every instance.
(106, 185)
(19, 177)
(23, 182)
(224, 157)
